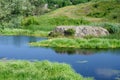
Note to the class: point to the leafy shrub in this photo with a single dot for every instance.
(111, 27)
(97, 14)
(79, 1)
(54, 34)
(112, 36)
(69, 32)
(96, 5)
(30, 21)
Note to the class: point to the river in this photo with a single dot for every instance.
(100, 64)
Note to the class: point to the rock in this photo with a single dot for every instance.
(82, 31)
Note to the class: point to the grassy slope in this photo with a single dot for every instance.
(91, 13)
(79, 43)
(24, 70)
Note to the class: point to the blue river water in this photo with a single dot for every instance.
(102, 64)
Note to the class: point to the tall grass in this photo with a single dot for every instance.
(79, 43)
(24, 70)
(112, 36)
(8, 31)
(47, 23)
(111, 27)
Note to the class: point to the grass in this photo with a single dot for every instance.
(93, 11)
(26, 32)
(111, 27)
(104, 13)
(25, 70)
(47, 23)
(89, 13)
(112, 36)
(79, 43)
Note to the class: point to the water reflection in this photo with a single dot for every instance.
(72, 51)
(17, 40)
(108, 73)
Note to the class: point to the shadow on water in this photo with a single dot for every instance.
(72, 51)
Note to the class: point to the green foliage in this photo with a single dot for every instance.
(47, 23)
(54, 34)
(63, 20)
(9, 31)
(79, 43)
(69, 32)
(73, 16)
(53, 4)
(112, 36)
(89, 36)
(25, 70)
(109, 9)
(30, 21)
(79, 1)
(113, 28)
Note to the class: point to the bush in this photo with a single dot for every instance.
(54, 34)
(111, 27)
(30, 21)
(69, 32)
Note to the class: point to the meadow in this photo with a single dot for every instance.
(44, 70)
(78, 43)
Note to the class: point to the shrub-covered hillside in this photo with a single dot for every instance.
(12, 11)
(108, 10)
(98, 13)
(104, 13)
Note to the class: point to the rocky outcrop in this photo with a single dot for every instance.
(82, 31)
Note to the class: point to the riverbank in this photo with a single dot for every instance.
(78, 43)
(25, 32)
(25, 70)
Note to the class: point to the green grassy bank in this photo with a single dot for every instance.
(24, 70)
(25, 32)
(79, 43)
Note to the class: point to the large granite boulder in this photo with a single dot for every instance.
(82, 31)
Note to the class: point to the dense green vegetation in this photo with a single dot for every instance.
(26, 15)
(24, 70)
(79, 43)
(12, 11)
(8, 31)
(77, 15)
(21, 13)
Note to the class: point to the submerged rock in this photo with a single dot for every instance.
(82, 31)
